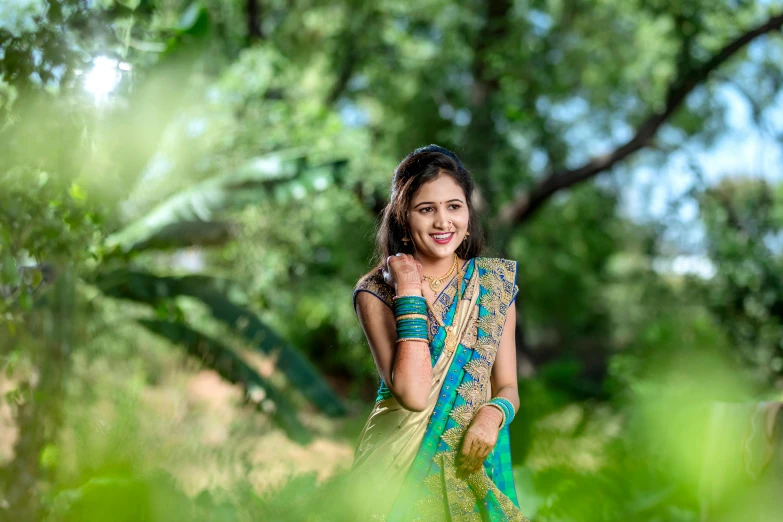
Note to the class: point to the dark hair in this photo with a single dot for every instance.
(420, 166)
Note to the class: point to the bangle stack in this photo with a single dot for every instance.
(410, 313)
(505, 407)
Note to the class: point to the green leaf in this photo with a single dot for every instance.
(231, 367)
(76, 192)
(225, 300)
(10, 274)
(189, 217)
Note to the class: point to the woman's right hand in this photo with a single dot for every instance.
(404, 274)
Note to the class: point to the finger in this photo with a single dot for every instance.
(477, 452)
(473, 465)
(482, 458)
(467, 443)
(468, 455)
(480, 452)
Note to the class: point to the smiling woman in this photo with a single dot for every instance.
(436, 446)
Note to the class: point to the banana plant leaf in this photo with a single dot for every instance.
(281, 177)
(227, 302)
(215, 355)
(189, 233)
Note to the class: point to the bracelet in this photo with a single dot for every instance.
(412, 328)
(412, 339)
(409, 304)
(410, 316)
(506, 406)
(394, 298)
(501, 410)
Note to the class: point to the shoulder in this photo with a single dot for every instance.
(498, 265)
(374, 284)
(501, 275)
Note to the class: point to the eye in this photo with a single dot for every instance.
(455, 206)
(426, 210)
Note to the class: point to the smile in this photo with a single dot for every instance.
(442, 239)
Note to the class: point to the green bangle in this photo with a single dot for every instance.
(505, 405)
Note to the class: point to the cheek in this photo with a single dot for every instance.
(462, 218)
(417, 223)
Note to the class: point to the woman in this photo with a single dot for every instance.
(440, 323)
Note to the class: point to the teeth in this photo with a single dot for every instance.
(441, 236)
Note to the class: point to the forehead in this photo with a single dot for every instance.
(442, 188)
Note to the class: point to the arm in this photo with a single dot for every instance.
(482, 435)
(405, 367)
(504, 371)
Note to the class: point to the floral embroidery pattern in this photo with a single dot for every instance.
(452, 497)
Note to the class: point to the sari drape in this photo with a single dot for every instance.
(404, 467)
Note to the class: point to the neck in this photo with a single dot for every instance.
(434, 266)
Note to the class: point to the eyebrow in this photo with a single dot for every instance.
(432, 202)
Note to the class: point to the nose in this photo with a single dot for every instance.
(441, 220)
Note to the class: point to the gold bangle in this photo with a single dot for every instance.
(413, 339)
(411, 316)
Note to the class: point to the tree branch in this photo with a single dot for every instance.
(528, 203)
(253, 21)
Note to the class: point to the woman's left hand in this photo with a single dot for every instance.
(479, 440)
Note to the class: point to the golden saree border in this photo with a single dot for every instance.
(479, 328)
(447, 490)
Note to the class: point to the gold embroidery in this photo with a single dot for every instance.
(484, 349)
(431, 509)
(462, 414)
(491, 300)
(461, 500)
(374, 283)
(453, 436)
(451, 497)
(470, 336)
(472, 392)
(451, 341)
(478, 369)
(498, 281)
(489, 325)
(460, 495)
(480, 483)
(434, 483)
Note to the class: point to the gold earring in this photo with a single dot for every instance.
(466, 236)
(405, 240)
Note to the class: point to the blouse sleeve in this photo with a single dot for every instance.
(374, 284)
(515, 287)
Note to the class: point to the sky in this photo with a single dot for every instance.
(744, 148)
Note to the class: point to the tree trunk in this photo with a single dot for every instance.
(40, 416)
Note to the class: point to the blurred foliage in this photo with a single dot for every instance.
(189, 190)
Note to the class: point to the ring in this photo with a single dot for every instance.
(398, 254)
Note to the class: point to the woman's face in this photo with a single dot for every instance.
(438, 217)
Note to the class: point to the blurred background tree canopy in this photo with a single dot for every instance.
(189, 190)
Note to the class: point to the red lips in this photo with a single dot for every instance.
(442, 241)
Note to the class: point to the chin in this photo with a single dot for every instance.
(444, 253)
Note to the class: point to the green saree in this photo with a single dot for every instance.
(404, 468)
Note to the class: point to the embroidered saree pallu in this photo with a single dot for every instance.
(404, 469)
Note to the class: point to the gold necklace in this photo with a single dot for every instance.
(436, 282)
